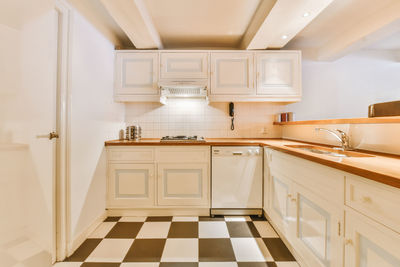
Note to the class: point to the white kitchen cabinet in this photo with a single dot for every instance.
(369, 244)
(157, 179)
(317, 226)
(131, 185)
(279, 73)
(232, 73)
(136, 76)
(183, 184)
(181, 66)
(279, 202)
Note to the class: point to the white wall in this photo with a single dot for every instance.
(94, 118)
(344, 88)
(191, 117)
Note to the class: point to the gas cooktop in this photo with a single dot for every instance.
(183, 138)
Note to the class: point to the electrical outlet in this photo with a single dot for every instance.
(264, 130)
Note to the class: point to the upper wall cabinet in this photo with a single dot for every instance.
(279, 73)
(232, 74)
(184, 65)
(136, 76)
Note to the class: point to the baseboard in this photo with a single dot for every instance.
(296, 255)
(78, 240)
(159, 212)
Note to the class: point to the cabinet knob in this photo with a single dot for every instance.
(366, 199)
(348, 242)
(293, 199)
(289, 196)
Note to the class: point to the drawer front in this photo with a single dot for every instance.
(131, 154)
(183, 154)
(375, 200)
(326, 182)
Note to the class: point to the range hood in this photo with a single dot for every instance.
(183, 90)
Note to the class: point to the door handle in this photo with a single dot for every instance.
(49, 136)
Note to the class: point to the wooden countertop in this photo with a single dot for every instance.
(383, 168)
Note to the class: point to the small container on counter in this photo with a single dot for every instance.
(121, 135)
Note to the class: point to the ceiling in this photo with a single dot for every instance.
(205, 23)
(392, 42)
(334, 20)
(331, 28)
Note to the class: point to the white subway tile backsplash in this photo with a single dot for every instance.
(191, 117)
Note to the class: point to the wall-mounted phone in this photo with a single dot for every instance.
(232, 114)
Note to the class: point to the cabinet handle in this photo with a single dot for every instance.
(348, 242)
(294, 199)
(366, 199)
(289, 196)
(339, 230)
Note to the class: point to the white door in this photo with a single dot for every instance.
(279, 202)
(317, 226)
(232, 74)
(131, 185)
(184, 65)
(370, 244)
(136, 73)
(183, 184)
(278, 73)
(28, 100)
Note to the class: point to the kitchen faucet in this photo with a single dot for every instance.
(342, 137)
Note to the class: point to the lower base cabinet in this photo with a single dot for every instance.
(370, 244)
(158, 177)
(332, 230)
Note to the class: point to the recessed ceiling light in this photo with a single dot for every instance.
(284, 36)
(306, 14)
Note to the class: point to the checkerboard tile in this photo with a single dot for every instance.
(166, 241)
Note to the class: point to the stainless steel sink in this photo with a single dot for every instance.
(334, 152)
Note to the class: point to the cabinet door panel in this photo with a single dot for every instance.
(232, 74)
(278, 73)
(370, 244)
(184, 65)
(136, 74)
(183, 184)
(279, 202)
(131, 185)
(317, 226)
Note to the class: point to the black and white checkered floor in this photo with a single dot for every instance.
(222, 241)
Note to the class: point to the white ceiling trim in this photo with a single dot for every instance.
(281, 23)
(133, 18)
(374, 27)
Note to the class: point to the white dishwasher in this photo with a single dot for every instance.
(236, 180)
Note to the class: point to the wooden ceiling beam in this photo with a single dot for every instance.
(276, 22)
(374, 27)
(133, 18)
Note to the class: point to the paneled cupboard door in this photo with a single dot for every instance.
(183, 184)
(317, 227)
(184, 65)
(369, 244)
(279, 202)
(279, 73)
(136, 73)
(131, 185)
(232, 74)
